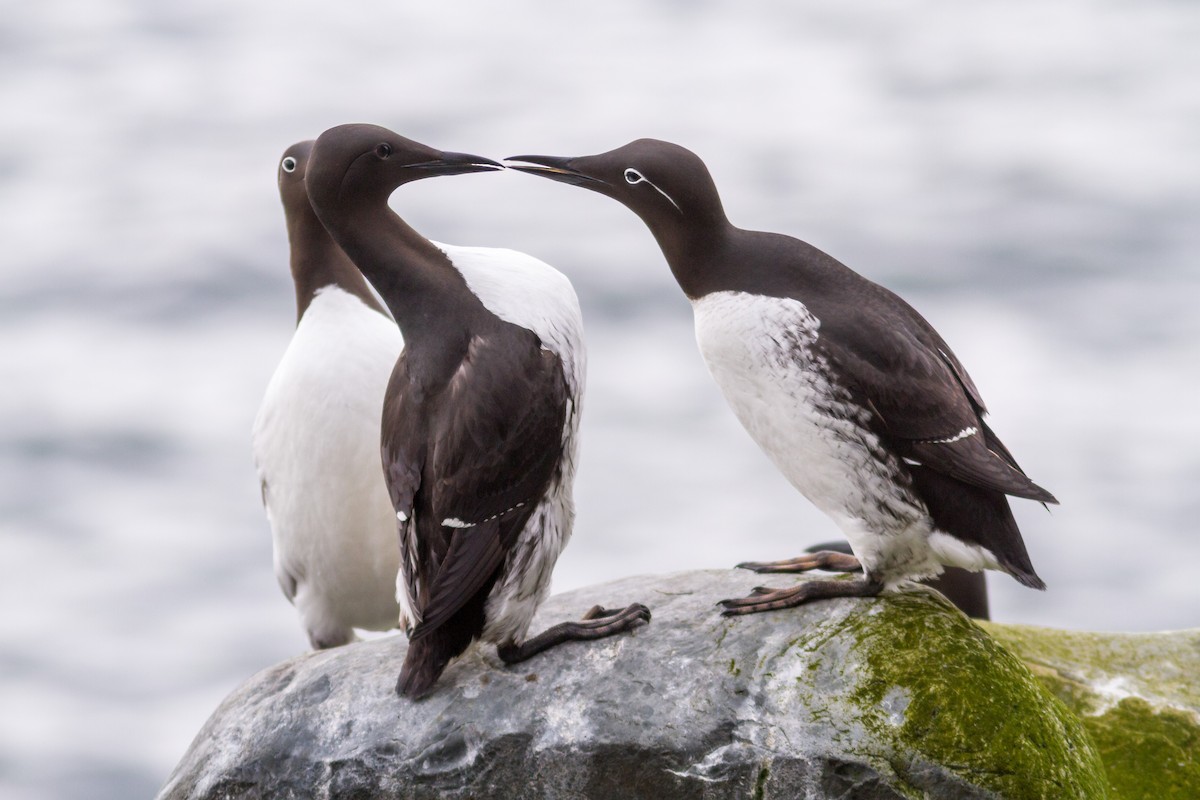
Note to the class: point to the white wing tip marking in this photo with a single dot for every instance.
(963, 434)
(400, 515)
(454, 522)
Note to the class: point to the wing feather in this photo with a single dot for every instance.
(495, 444)
(926, 405)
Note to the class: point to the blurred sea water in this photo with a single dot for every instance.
(1024, 173)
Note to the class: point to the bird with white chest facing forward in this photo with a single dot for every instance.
(856, 399)
(316, 436)
(481, 414)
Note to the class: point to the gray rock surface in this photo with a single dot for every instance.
(893, 697)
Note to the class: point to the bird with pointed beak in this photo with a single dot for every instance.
(481, 414)
(856, 399)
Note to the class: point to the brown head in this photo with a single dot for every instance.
(316, 260)
(290, 177)
(355, 165)
(352, 171)
(668, 186)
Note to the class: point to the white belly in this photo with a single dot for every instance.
(761, 351)
(316, 445)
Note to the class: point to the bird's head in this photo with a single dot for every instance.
(664, 184)
(351, 164)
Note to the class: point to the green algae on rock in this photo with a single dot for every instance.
(928, 681)
(1137, 694)
(882, 699)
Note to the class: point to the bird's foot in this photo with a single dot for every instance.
(597, 623)
(763, 598)
(822, 559)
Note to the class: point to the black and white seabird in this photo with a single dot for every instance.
(481, 414)
(852, 394)
(316, 436)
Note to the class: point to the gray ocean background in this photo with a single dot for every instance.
(1026, 173)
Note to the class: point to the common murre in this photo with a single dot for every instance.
(316, 436)
(480, 420)
(851, 393)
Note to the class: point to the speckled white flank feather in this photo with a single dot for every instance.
(316, 446)
(524, 291)
(761, 351)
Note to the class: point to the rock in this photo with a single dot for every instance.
(1138, 695)
(895, 697)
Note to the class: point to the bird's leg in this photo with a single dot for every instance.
(597, 623)
(822, 559)
(766, 599)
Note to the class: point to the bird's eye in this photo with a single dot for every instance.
(633, 177)
(383, 150)
(289, 164)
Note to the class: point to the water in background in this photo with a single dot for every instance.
(1025, 173)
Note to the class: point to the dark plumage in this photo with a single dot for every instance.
(856, 398)
(480, 415)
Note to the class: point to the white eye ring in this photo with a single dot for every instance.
(289, 164)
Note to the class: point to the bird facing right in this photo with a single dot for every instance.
(856, 399)
(480, 416)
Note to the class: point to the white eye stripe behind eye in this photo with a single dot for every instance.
(633, 178)
(289, 164)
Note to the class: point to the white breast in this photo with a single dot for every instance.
(316, 446)
(762, 352)
(524, 291)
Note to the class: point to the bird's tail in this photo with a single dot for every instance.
(426, 659)
(429, 653)
(977, 516)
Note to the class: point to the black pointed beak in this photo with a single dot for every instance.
(556, 168)
(455, 164)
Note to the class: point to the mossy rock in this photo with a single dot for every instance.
(879, 699)
(933, 688)
(1138, 695)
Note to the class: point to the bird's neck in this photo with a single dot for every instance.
(698, 255)
(317, 262)
(420, 286)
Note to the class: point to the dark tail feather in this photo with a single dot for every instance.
(428, 656)
(426, 659)
(977, 516)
